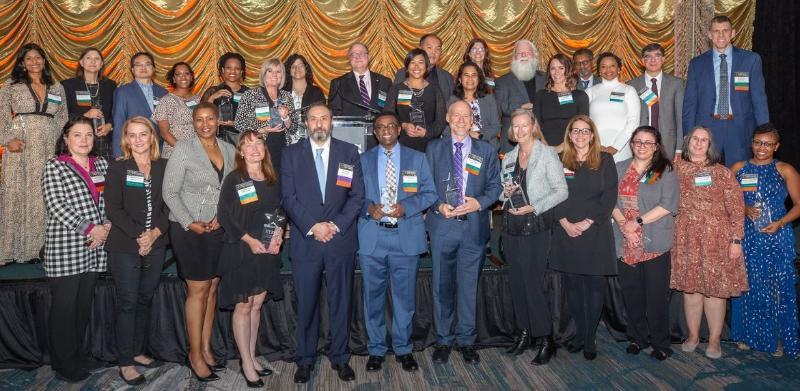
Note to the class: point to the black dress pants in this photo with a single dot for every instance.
(645, 291)
(585, 296)
(527, 261)
(70, 307)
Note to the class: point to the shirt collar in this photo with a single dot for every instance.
(658, 77)
(467, 141)
(314, 146)
(366, 74)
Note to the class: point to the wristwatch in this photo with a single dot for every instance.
(639, 220)
(736, 241)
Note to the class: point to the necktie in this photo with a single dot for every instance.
(585, 84)
(391, 181)
(458, 168)
(320, 172)
(724, 92)
(654, 108)
(362, 87)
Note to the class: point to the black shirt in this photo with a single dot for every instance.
(234, 103)
(530, 87)
(553, 116)
(432, 104)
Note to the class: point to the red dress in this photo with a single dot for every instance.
(709, 216)
(629, 195)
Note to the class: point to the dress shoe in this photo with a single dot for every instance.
(263, 372)
(302, 374)
(714, 353)
(374, 363)
(634, 348)
(138, 380)
(589, 355)
(546, 351)
(689, 347)
(659, 354)
(345, 372)
(211, 376)
(407, 362)
(441, 354)
(470, 355)
(216, 367)
(574, 348)
(251, 384)
(521, 343)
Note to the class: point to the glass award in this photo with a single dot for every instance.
(452, 194)
(517, 197)
(765, 216)
(417, 117)
(388, 197)
(272, 222)
(225, 109)
(98, 123)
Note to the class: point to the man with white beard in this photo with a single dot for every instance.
(517, 88)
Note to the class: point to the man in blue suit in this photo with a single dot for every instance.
(466, 173)
(391, 236)
(322, 192)
(725, 92)
(137, 98)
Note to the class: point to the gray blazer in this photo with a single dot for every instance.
(595, 80)
(191, 185)
(490, 119)
(664, 193)
(546, 185)
(670, 110)
(510, 93)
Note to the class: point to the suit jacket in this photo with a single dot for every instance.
(444, 80)
(126, 206)
(670, 109)
(510, 93)
(302, 200)
(411, 226)
(129, 102)
(484, 187)
(490, 119)
(345, 88)
(749, 107)
(191, 184)
(595, 80)
(544, 176)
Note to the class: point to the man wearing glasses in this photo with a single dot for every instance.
(582, 58)
(662, 99)
(360, 92)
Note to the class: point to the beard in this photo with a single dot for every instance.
(524, 71)
(319, 134)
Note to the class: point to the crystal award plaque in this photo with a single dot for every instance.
(388, 197)
(272, 222)
(765, 216)
(452, 194)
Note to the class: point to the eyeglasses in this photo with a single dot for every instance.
(584, 62)
(582, 131)
(384, 127)
(142, 64)
(768, 144)
(477, 49)
(653, 57)
(358, 55)
(639, 143)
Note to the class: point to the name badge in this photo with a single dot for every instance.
(650, 178)
(410, 184)
(83, 98)
(237, 97)
(191, 104)
(404, 98)
(134, 179)
(741, 81)
(473, 164)
(489, 82)
(565, 98)
(648, 97)
(569, 174)
(53, 98)
(263, 113)
(155, 102)
(508, 171)
(702, 179)
(344, 176)
(99, 181)
(749, 182)
(381, 99)
(618, 97)
(246, 192)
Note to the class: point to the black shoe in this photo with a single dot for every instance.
(264, 372)
(34, 261)
(374, 363)
(302, 374)
(470, 355)
(153, 364)
(251, 384)
(211, 377)
(574, 348)
(407, 362)
(217, 367)
(139, 380)
(345, 372)
(546, 351)
(521, 343)
(441, 354)
(589, 355)
(72, 378)
(633, 348)
(659, 354)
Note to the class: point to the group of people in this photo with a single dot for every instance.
(650, 181)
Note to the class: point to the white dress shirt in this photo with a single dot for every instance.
(366, 82)
(649, 84)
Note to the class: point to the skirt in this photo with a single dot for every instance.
(245, 274)
(197, 255)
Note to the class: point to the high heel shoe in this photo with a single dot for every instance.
(521, 343)
(211, 377)
(251, 384)
(689, 347)
(263, 372)
(546, 352)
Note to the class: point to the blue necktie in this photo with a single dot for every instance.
(320, 172)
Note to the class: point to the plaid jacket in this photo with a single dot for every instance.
(70, 210)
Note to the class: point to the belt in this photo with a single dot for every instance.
(386, 224)
(461, 218)
(723, 117)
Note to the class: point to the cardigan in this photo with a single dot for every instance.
(546, 186)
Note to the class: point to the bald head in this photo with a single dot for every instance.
(459, 116)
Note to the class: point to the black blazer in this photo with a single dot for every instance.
(127, 209)
(345, 88)
(313, 94)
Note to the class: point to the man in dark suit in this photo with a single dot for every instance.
(437, 76)
(466, 173)
(322, 192)
(584, 60)
(725, 92)
(391, 236)
(517, 88)
(662, 99)
(359, 87)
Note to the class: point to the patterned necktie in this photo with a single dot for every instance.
(654, 108)
(724, 91)
(585, 84)
(362, 87)
(458, 168)
(320, 172)
(391, 181)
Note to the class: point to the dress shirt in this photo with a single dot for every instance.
(717, 60)
(297, 99)
(649, 84)
(326, 152)
(382, 166)
(465, 151)
(588, 81)
(147, 90)
(366, 82)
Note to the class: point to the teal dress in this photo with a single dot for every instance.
(768, 311)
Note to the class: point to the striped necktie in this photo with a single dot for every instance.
(362, 87)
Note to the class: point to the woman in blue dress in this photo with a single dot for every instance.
(765, 318)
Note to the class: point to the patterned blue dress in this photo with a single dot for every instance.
(768, 311)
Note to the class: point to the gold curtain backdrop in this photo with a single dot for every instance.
(199, 31)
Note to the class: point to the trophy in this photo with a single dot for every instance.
(765, 214)
(225, 109)
(417, 116)
(98, 123)
(452, 194)
(273, 221)
(388, 197)
(517, 197)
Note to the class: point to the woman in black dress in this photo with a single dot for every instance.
(559, 101)
(91, 95)
(250, 266)
(420, 106)
(300, 82)
(226, 95)
(583, 242)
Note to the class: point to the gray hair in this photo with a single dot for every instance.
(712, 155)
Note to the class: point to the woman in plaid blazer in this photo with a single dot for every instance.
(73, 252)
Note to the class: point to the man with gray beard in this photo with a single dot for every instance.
(517, 88)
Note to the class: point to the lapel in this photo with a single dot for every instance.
(139, 95)
(307, 155)
(537, 149)
(405, 164)
(333, 169)
(475, 149)
(205, 161)
(519, 85)
(370, 171)
(375, 89)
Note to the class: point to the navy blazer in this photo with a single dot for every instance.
(485, 187)
(345, 88)
(303, 204)
(411, 227)
(700, 99)
(129, 102)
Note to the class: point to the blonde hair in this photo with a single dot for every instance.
(266, 65)
(569, 157)
(155, 151)
(536, 132)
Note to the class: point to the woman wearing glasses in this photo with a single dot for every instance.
(646, 202)
(478, 52)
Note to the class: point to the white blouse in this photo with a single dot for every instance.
(614, 107)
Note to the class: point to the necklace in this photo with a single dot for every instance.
(416, 92)
(209, 145)
(96, 92)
